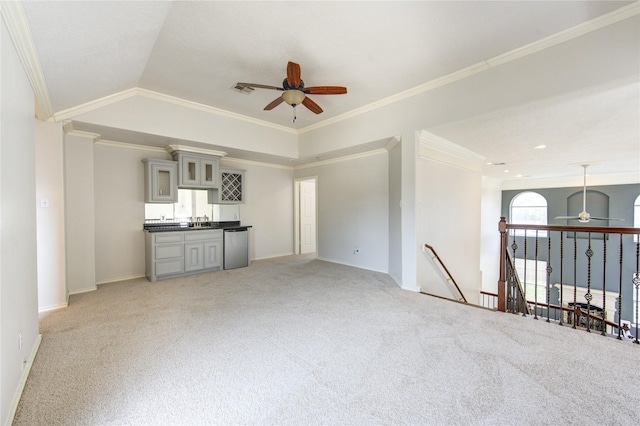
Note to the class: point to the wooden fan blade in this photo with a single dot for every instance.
(325, 90)
(259, 86)
(313, 107)
(293, 74)
(277, 101)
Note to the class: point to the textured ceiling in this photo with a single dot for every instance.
(198, 50)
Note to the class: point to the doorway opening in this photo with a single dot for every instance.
(305, 215)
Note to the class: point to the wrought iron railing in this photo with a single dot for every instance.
(586, 276)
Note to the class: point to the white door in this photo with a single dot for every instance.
(307, 216)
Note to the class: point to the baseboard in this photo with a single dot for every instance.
(23, 381)
(53, 307)
(353, 266)
(83, 290)
(117, 280)
(274, 256)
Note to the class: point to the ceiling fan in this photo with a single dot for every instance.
(294, 92)
(585, 217)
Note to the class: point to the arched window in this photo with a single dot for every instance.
(636, 213)
(528, 208)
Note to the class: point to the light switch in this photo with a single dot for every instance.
(44, 202)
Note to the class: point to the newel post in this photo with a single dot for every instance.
(502, 281)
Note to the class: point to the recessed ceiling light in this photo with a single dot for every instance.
(518, 176)
(489, 163)
(506, 171)
(542, 146)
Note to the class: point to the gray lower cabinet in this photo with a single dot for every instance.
(176, 253)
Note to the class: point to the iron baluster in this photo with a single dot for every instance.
(604, 284)
(636, 283)
(588, 296)
(561, 276)
(535, 281)
(524, 289)
(575, 279)
(620, 292)
(549, 270)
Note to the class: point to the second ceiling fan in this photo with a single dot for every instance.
(295, 93)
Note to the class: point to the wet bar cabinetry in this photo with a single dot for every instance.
(161, 181)
(177, 253)
(231, 190)
(198, 171)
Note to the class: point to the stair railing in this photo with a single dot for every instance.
(446, 273)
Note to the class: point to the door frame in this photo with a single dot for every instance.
(296, 212)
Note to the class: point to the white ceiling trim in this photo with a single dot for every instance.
(341, 159)
(572, 181)
(67, 114)
(256, 163)
(434, 147)
(137, 91)
(184, 148)
(529, 49)
(129, 146)
(16, 21)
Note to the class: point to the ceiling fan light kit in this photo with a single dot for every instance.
(293, 97)
(294, 93)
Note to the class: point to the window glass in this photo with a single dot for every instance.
(529, 208)
(636, 217)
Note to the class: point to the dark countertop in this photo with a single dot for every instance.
(191, 226)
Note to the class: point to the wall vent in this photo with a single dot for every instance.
(242, 89)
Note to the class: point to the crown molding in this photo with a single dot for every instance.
(16, 21)
(574, 32)
(432, 147)
(69, 113)
(184, 148)
(255, 163)
(341, 159)
(149, 94)
(572, 181)
(116, 144)
(393, 142)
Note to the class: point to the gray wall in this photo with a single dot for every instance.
(353, 210)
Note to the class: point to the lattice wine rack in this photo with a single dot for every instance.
(231, 187)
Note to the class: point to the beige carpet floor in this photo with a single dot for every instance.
(298, 341)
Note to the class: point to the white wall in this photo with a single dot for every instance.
(52, 286)
(18, 270)
(491, 206)
(448, 191)
(179, 122)
(119, 210)
(268, 208)
(353, 209)
(395, 213)
(79, 210)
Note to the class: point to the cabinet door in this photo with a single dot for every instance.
(209, 173)
(193, 257)
(189, 171)
(213, 254)
(161, 182)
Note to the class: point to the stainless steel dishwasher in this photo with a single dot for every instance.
(236, 248)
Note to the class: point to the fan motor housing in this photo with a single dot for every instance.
(287, 86)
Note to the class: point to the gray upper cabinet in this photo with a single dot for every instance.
(232, 186)
(197, 170)
(161, 181)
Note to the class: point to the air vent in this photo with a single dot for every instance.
(242, 89)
